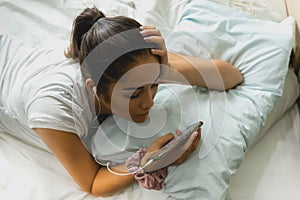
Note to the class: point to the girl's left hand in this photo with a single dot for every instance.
(151, 34)
(190, 150)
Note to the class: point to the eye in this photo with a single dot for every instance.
(133, 96)
(136, 93)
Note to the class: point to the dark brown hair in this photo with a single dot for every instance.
(90, 29)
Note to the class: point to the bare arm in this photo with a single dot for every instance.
(89, 175)
(212, 74)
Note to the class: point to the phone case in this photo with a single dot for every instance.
(173, 150)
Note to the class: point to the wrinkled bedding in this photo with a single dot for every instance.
(233, 119)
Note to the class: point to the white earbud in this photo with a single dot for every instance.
(95, 93)
(95, 90)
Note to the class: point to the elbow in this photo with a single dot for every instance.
(231, 75)
(96, 192)
(88, 187)
(239, 78)
(233, 80)
(89, 190)
(101, 194)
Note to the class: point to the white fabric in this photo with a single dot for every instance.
(260, 49)
(32, 84)
(271, 168)
(41, 89)
(287, 100)
(273, 10)
(30, 173)
(37, 90)
(48, 24)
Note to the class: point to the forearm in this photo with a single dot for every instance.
(230, 75)
(107, 184)
(90, 177)
(212, 74)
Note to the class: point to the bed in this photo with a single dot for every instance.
(27, 172)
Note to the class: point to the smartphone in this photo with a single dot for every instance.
(172, 150)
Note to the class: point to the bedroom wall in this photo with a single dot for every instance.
(293, 8)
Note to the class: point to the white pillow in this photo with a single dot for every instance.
(163, 14)
(212, 30)
(259, 48)
(273, 10)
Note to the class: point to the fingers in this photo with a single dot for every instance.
(160, 142)
(147, 27)
(178, 132)
(157, 40)
(196, 141)
(156, 145)
(159, 52)
(150, 31)
(190, 150)
(153, 35)
(195, 137)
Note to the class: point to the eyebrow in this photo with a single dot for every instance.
(141, 87)
(133, 88)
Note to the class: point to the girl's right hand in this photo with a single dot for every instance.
(160, 142)
(163, 140)
(156, 145)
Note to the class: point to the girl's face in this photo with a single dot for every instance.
(133, 95)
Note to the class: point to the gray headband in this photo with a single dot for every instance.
(99, 59)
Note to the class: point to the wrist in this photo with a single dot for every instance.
(149, 180)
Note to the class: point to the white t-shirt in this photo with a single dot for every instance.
(40, 89)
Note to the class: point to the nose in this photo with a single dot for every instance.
(147, 100)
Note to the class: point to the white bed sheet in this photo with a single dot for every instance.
(45, 23)
(271, 170)
(29, 173)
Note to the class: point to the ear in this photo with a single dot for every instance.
(89, 84)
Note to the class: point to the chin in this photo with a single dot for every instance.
(139, 119)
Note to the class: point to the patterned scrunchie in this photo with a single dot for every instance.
(149, 180)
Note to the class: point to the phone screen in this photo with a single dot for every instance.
(173, 150)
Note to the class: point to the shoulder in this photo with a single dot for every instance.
(57, 99)
(60, 106)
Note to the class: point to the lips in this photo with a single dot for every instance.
(143, 114)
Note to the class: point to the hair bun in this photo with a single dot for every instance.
(81, 25)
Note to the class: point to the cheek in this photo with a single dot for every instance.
(120, 104)
(127, 109)
(133, 106)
